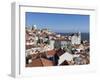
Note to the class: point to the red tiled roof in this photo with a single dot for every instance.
(51, 52)
(40, 62)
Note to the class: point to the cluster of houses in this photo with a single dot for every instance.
(46, 48)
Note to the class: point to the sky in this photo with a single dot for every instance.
(58, 22)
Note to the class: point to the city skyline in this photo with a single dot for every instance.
(58, 22)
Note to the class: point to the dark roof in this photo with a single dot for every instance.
(64, 63)
(40, 62)
(60, 52)
(29, 46)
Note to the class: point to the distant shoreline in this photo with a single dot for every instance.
(84, 35)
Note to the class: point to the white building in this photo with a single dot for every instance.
(63, 44)
(65, 57)
(76, 38)
(60, 43)
(52, 42)
(35, 27)
(58, 35)
(35, 39)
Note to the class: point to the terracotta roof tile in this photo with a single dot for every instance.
(51, 53)
(40, 62)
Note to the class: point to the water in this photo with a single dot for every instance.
(84, 36)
